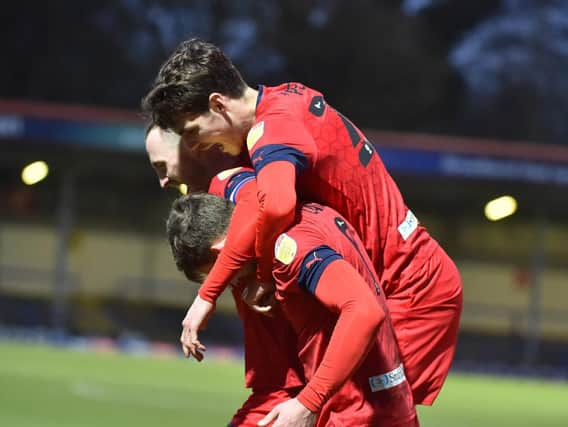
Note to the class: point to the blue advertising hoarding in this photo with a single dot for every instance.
(129, 136)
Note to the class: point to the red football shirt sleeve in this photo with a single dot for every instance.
(281, 147)
(217, 186)
(276, 211)
(240, 187)
(341, 289)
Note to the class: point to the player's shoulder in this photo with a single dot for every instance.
(302, 236)
(301, 258)
(226, 183)
(285, 97)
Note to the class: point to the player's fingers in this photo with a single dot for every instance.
(193, 342)
(198, 355)
(197, 349)
(271, 416)
(252, 293)
(192, 350)
(259, 293)
(183, 341)
(185, 350)
(247, 297)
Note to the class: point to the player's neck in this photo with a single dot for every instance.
(243, 111)
(249, 104)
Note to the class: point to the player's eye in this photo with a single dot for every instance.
(160, 168)
(189, 138)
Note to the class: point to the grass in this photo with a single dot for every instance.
(43, 386)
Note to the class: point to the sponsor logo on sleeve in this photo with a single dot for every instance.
(409, 224)
(285, 249)
(255, 133)
(389, 380)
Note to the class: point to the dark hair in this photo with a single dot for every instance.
(187, 78)
(194, 223)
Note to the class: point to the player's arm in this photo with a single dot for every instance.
(239, 243)
(276, 210)
(284, 150)
(238, 249)
(341, 289)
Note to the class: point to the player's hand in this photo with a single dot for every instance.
(259, 297)
(289, 414)
(195, 320)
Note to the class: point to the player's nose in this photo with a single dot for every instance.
(164, 182)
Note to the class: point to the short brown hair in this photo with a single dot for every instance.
(183, 85)
(194, 223)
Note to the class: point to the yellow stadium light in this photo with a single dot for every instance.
(34, 172)
(183, 189)
(500, 208)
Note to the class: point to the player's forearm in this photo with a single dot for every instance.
(355, 330)
(239, 245)
(347, 349)
(277, 206)
(224, 269)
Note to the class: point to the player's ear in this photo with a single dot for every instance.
(217, 102)
(218, 246)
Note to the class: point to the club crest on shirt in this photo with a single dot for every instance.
(285, 249)
(255, 133)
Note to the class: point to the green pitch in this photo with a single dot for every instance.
(41, 386)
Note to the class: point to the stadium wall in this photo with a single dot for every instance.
(131, 267)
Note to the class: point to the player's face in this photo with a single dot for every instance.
(218, 127)
(175, 164)
(163, 153)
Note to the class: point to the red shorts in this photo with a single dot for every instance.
(425, 317)
(258, 405)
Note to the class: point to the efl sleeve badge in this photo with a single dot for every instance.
(285, 249)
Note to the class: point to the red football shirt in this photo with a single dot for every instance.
(336, 166)
(301, 137)
(376, 393)
(271, 359)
